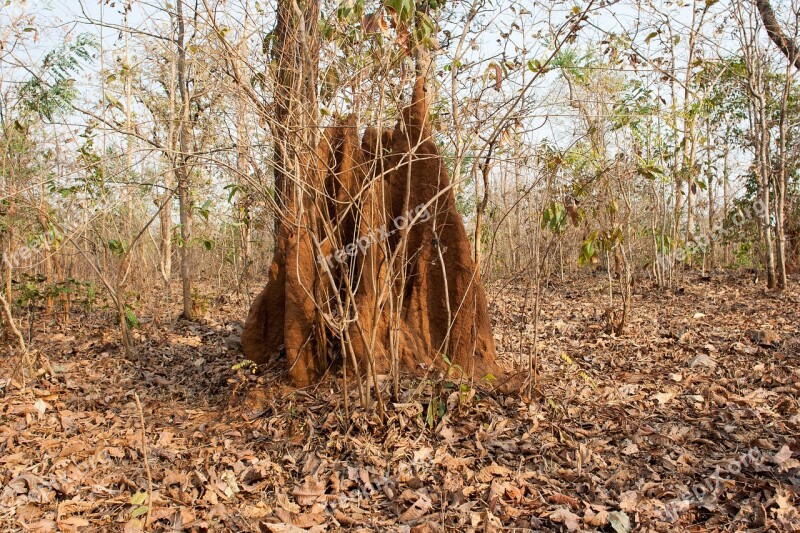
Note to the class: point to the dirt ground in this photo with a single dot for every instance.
(688, 422)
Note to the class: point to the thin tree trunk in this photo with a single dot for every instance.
(182, 170)
(165, 215)
(712, 199)
(165, 252)
(781, 181)
(764, 185)
(10, 324)
(242, 168)
(726, 189)
(480, 209)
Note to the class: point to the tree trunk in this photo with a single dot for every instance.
(285, 313)
(726, 188)
(690, 131)
(781, 180)
(712, 199)
(165, 227)
(764, 172)
(783, 42)
(243, 201)
(182, 172)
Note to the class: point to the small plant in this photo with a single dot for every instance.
(90, 296)
(742, 254)
(138, 501)
(586, 377)
(245, 365)
(200, 303)
(30, 293)
(436, 410)
(130, 317)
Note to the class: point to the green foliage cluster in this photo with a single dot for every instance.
(51, 92)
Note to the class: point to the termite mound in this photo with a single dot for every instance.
(374, 265)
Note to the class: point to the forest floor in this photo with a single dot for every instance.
(689, 421)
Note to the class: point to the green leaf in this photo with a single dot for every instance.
(116, 246)
(534, 65)
(587, 255)
(403, 8)
(430, 417)
(205, 209)
(619, 521)
(133, 321)
(114, 101)
(232, 189)
(425, 27)
(139, 498)
(139, 511)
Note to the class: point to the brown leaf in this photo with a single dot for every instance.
(133, 526)
(498, 76)
(628, 500)
(311, 492)
(416, 511)
(487, 472)
(74, 521)
(784, 459)
(563, 499)
(564, 516)
(592, 519)
(283, 501)
(304, 520)
(375, 23)
(289, 528)
(513, 492)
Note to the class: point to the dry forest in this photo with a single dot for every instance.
(415, 266)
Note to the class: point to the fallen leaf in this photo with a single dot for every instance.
(487, 472)
(628, 500)
(562, 515)
(663, 398)
(417, 510)
(311, 492)
(784, 459)
(592, 519)
(619, 521)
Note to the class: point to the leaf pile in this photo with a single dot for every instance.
(689, 420)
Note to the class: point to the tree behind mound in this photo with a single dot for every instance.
(372, 261)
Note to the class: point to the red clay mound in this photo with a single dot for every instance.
(393, 259)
